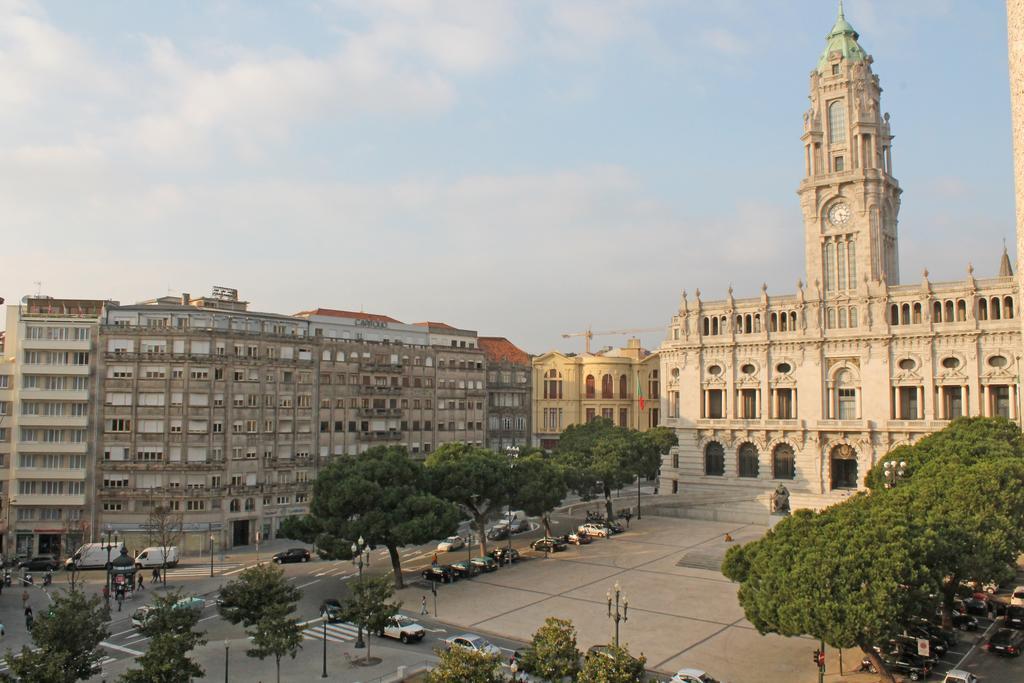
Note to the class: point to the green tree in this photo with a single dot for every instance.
(67, 639)
(475, 479)
(169, 629)
(462, 665)
(617, 667)
(254, 593)
(276, 635)
(537, 486)
(851, 575)
(382, 496)
(599, 458)
(552, 653)
(367, 606)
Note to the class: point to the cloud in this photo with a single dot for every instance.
(725, 42)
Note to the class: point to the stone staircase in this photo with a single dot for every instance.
(733, 504)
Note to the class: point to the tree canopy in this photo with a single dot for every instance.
(617, 666)
(169, 629)
(599, 457)
(462, 665)
(256, 591)
(537, 485)
(276, 635)
(552, 654)
(367, 605)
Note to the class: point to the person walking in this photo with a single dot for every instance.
(433, 562)
(423, 605)
(141, 587)
(156, 574)
(29, 618)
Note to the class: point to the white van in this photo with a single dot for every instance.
(93, 556)
(154, 557)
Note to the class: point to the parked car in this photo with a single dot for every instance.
(1017, 597)
(614, 527)
(439, 574)
(520, 525)
(401, 627)
(972, 605)
(959, 676)
(473, 642)
(923, 627)
(913, 667)
(594, 529)
(451, 543)
(156, 557)
(1014, 616)
(962, 621)
(291, 555)
(330, 609)
(579, 538)
(1006, 641)
(484, 564)
(498, 533)
(504, 555)
(464, 569)
(40, 563)
(93, 556)
(549, 545)
(692, 676)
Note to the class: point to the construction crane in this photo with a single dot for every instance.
(589, 333)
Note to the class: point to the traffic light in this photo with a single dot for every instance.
(816, 653)
(820, 658)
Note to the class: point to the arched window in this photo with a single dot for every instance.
(937, 312)
(739, 324)
(607, 387)
(905, 314)
(851, 265)
(830, 266)
(894, 315)
(714, 325)
(840, 265)
(675, 459)
(792, 321)
(982, 309)
(831, 320)
(994, 308)
(961, 310)
(836, 122)
(553, 384)
(748, 461)
(623, 387)
(846, 396)
(235, 505)
(1008, 307)
(757, 322)
(707, 326)
(250, 504)
(917, 314)
(773, 324)
(591, 393)
(784, 327)
(949, 317)
(748, 324)
(842, 317)
(853, 316)
(714, 459)
(783, 462)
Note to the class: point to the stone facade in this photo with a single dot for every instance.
(813, 388)
(509, 393)
(570, 389)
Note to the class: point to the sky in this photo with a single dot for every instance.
(523, 168)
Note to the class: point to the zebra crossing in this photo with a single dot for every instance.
(340, 632)
(199, 570)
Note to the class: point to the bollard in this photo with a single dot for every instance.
(401, 673)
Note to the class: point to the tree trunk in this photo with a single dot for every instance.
(608, 501)
(367, 646)
(481, 521)
(396, 565)
(948, 594)
(547, 525)
(883, 671)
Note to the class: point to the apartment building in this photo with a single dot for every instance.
(509, 390)
(47, 378)
(6, 418)
(460, 385)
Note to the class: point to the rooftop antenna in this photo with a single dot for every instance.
(39, 287)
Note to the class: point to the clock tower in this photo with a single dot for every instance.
(848, 195)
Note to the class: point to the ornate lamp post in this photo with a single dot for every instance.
(227, 649)
(513, 453)
(212, 539)
(109, 533)
(359, 552)
(324, 674)
(617, 615)
(893, 472)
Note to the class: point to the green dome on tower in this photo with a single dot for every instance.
(842, 39)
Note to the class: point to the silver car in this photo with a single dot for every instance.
(471, 641)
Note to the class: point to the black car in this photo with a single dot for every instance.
(291, 555)
(504, 555)
(438, 573)
(1014, 616)
(614, 527)
(463, 570)
(40, 563)
(1006, 641)
(330, 609)
(549, 545)
(921, 628)
(972, 605)
(915, 668)
(497, 533)
(964, 622)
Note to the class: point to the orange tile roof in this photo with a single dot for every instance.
(349, 314)
(500, 349)
(427, 323)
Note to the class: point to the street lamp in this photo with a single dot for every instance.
(227, 649)
(617, 615)
(324, 674)
(109, 533)
(513, 453)
(359, 551)
(212, 539)
(893, 472)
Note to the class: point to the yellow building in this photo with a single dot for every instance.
(619, 384)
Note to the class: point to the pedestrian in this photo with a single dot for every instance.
(433, 562)
(24, 598)
(156, 574)
(141, 587)
(106, 594)
(423, 605)
(120, 599)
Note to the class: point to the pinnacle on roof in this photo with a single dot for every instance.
(842, 40)
(1005, 268)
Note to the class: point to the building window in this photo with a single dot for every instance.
(715, 404)
(908, 407)
(839, 164)
(748, 466)
(748, 402)
(836, 122)
(590, 387)
(999, 401)
(847, 404)
(714, 459)
(624, 417)
(591, 414)
(784, 404)
(623, 387)
(675, 460)
(830, 266)
(606, 386)
(783, 462)
(952, 402)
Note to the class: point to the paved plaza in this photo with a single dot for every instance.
(682, 611)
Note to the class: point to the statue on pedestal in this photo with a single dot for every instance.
(780, 500)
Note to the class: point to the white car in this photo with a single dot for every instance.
(594, 530)
(473, 642)
(451, 543)
(959, 676)
(692, 676)
(1018, 596)
(401, 627)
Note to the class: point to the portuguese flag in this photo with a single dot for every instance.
(639, 393)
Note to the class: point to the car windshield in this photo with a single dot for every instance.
(1002, 636)
(478, 643)
(452, 539)
(402, 620)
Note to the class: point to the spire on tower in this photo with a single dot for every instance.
(842, 41)
(1005, 268)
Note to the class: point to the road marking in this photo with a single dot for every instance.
(435, 630)
(240, 569)
(336, 633)
(309, 584)
(115, 635)
(137, 640)
(983, 637)
(121, 648)
(344, 578)
(212, 616)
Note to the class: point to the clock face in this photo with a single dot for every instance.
(839, 214)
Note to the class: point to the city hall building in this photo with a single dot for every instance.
(812, 388)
